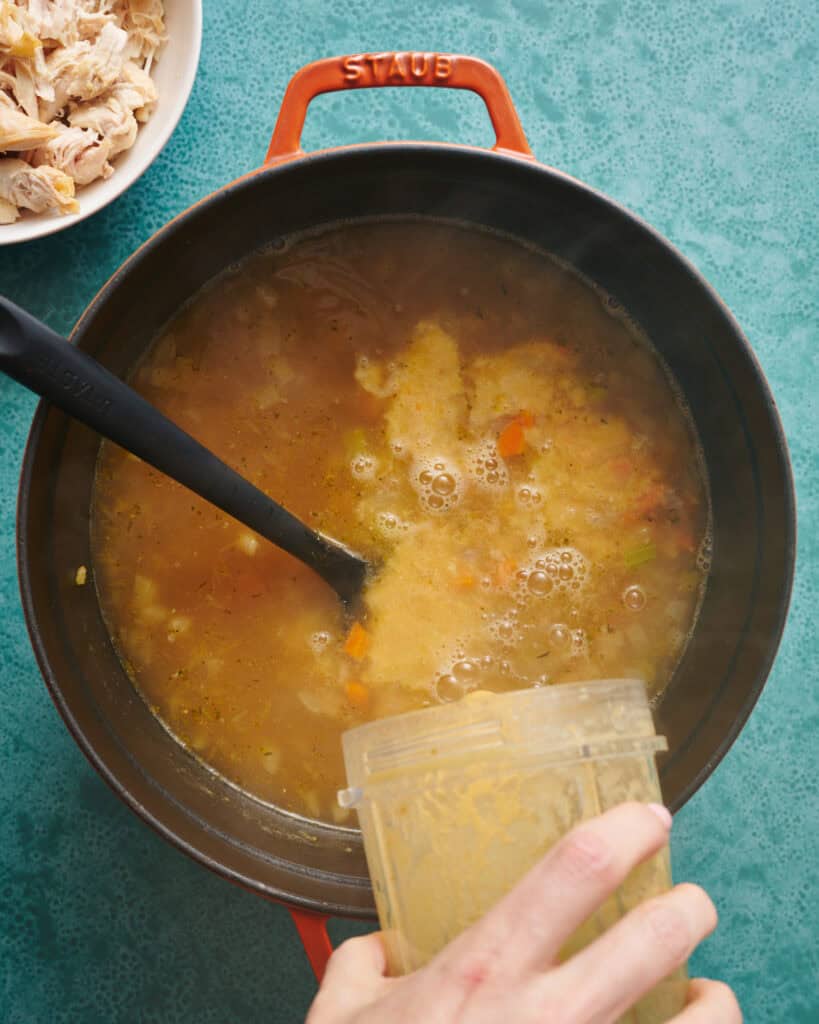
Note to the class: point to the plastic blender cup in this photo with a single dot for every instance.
(457, 802)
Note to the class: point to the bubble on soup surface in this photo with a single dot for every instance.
(485, 467)
(364, 467)
(527, 496)
(539, 583)
(580, 644)
(444, 484)
(438, 484)
(554, 570)
(634, 598)
(448, 687)
(704, 553)
(390, 525)
(320, 641)
(560, 636)
(504, 630)
(466, 671)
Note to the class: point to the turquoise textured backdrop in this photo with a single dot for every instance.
(702, 117)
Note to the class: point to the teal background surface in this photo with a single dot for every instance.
(701, 117)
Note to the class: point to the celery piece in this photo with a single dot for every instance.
(643, 553)
(355, 442)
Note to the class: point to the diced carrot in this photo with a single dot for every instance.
(357, 694)
(357, 642)
(465, 581)
(511, 440)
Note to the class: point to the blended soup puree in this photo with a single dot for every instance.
(476, 420)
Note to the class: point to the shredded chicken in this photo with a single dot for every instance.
(84, 70)
(110, 118)
(8, 212)
(78, 152)
(16, 36)
(75, 85)
(18, 131)
(25, 87)
(36, 188)
(144, 21)
(53, 22)
(137, 91)
(115, 116)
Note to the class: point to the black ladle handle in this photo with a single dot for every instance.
(47, 364)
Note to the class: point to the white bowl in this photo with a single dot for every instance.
(173, 74)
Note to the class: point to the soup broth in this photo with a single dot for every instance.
(476, 420)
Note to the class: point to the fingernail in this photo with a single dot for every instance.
(662, 813)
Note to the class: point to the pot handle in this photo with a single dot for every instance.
(379, 70)
(312, 929)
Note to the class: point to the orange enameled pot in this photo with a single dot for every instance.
(316, 869)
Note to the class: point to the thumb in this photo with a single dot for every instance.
(355, 977)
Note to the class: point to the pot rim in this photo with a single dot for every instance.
(361, 152)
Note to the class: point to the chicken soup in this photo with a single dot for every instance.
(481, 424)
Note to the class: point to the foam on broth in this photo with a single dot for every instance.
(465, 412)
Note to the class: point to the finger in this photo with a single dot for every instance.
(527, 929)
(355, 976)
(607, 977)
(709, 1002)
(363, 956)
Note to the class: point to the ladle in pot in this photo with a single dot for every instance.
(49, 365)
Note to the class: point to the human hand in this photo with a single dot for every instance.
(505, 968)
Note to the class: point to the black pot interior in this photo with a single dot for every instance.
(728, 658)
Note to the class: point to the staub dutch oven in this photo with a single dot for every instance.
(316, 869)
